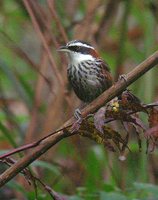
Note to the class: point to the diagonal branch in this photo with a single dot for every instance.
(48, 142)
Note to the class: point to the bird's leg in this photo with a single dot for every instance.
(77, 114)
(123, 77)
(79, 119)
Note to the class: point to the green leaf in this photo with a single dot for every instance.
(147, 187)
(108, 187)
(26, 86)
(16, 186)
(9, 136)
(15, 83)
(75, 198)
(112, 196)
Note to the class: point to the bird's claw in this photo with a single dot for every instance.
(123, 77)
(77, 114)
(79, 119)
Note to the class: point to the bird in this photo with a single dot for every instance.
(87, 73)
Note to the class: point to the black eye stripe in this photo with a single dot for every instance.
(74, 48)
(83, 50)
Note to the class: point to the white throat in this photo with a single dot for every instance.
(76, 58)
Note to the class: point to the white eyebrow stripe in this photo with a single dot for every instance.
(80, 44)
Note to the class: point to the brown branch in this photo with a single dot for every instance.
(31, 179)
(37, 100)
(33, 155)
(30, 145)
(36, 143)
(47, 143)
(44, 42)
(54, 67)
(123, 38)
(57, 20)
(110, 10)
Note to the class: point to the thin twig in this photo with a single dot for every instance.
(123, 37)
(44, 42)
(110, 9)
(57, 20)
(34, 121)
(30, 145)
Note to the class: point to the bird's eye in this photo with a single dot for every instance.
(77, 48)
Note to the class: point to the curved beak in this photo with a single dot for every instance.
(63, 48)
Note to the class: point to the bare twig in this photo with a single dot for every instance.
(37, 152)
(30, 145)
(56, 72)
(123, 37)
(34, 121)
(44, 42)
(47, 143)
(106, 21)
(31, 179)
(57, 20)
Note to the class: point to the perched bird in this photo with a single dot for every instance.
(87, 73)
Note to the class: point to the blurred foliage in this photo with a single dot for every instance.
(35, 98)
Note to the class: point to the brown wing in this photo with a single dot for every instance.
(106, 73)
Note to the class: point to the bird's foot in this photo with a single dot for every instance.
(79, 119)
(123, 77)
(77, 114)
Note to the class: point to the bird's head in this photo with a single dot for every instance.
(79, 51)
